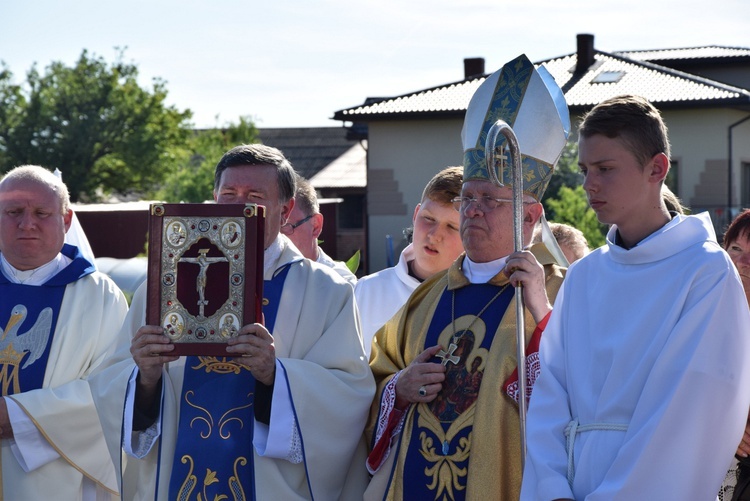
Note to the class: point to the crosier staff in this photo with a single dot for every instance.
(498, 128)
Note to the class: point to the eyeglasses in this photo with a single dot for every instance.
(484, 203)
(288, 228)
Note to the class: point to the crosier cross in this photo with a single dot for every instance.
(501, 161)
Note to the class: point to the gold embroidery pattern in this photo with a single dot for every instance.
(208, 418)
(10, 358)
(190, 480)
(221, 365)
(226, 418)
(234, 482)
(186, 490)
(444, 475)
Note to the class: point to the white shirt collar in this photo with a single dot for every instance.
(37, 276)
(481, 273)
(271, 256)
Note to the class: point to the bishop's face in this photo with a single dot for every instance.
(486, 234)
(256, 184)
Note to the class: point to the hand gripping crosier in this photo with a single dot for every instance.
(525, 106)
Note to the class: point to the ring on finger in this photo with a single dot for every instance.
(422, 391)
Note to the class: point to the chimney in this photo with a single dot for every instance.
(473, 67)
(585, 54)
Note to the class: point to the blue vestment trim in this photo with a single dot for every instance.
(214, 454)
(439, 447)
(28, 318)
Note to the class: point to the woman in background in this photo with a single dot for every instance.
(737, 244)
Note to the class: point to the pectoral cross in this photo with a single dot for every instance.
(448, 356)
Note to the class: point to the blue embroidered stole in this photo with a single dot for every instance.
(214, 450)
(439, 447)
(28, 317)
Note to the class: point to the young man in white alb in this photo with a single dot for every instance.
(644, 385)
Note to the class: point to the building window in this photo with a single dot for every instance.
(608, 77)
(350, 212)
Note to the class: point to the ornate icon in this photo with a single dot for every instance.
(205, 273)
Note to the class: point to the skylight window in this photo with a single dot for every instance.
(608, 77)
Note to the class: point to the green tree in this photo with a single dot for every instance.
(565, 200)
(566, 173)
(11, 100)
(94, 122)
(572, 208)
(192, 177)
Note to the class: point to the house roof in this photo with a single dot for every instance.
(444, 100)
(347, 171)
(609, 75)
(715, 53)
(309, 149)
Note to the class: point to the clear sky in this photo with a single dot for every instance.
(288, 63)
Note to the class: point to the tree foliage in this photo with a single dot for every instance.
(192, 178)
(94, 122)
(566, 173)
(572, 208)
(565, 200)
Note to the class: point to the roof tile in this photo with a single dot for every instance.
(659, 84)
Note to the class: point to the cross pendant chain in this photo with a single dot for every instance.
(448, 356)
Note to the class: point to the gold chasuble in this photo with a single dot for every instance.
(465, 444)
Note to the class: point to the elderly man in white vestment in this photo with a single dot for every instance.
(649, 337)
(58, 317)
(281, 420)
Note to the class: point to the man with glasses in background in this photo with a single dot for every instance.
(444, 422)
(304, 227)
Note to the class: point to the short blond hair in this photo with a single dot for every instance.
(40, 175)
(570, 237)
(306, 197)
(444, 186)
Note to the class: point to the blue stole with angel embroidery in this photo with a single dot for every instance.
(439, 448)
(214, 454)
(28, 316)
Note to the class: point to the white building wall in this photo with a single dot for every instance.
(412, 152)
(409, 153)
(700, 146)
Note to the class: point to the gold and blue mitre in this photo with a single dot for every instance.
(529, 100)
